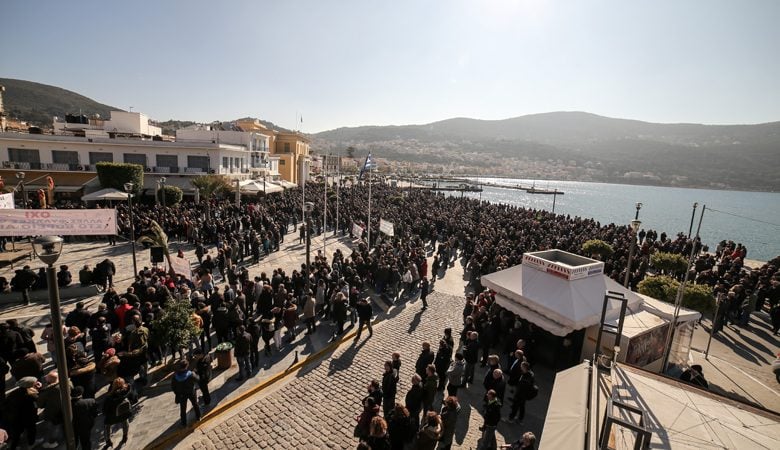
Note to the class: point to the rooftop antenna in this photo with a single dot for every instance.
(131, 109)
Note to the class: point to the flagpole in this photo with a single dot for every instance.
(325, 208)
(338, 183)
(369, 208)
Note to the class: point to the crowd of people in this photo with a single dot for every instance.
(115, 345)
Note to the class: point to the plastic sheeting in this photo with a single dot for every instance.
(567, 413)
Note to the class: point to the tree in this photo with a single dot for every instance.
(173, 195)
(175, 325)
(351, 152)
(696, 296)
(597, 247)
(115, 175)
(210, 185)
(669, 263)
(156, 237)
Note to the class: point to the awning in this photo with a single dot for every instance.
(105, 194)
(256, 187)
(567, 413)
(556, 304)
(286, 184)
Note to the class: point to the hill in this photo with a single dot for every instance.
(38, 103)
(579, 146)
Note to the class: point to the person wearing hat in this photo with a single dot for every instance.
(84, 413)
(183, 385)
(49, 400)
(22, 402)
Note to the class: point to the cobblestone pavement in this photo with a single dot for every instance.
(316, 407)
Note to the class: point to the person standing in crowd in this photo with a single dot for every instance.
(524, 391)
(449, 420)
(400, 427)
(414, 400)
(456, 375)
(424, 285)
(24, 419)
(389, 388)
(694, 375)
(49, 400)
(430, 386)
(242, 353)
(23, 281)
(117, 409)
(491, 418)
(364, 313)
(183, 384)
(526, 442)
(429, 434)
(202, 362)
(471, 356)
(426, 358)
(84, 413)
(442, 362)
(136, 356)
(378, 438)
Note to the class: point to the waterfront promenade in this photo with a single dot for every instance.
(314, 404)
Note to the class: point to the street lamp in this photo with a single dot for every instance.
(129, 190)
(308, 207)
(162, 190)
(693, 214)
(20, 177)
(635, 224)
(48, 249)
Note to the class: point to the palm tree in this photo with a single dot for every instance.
(156, 237)
(209, 185)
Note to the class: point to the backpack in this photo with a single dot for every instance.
(533, 392)
(123, 409)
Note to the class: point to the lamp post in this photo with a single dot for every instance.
(20, 177)
(162, 190)
(635, 224)
(693, 215)
(48, 250)
(308, 207)
(129, 190)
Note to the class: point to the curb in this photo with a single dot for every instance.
(179, 435)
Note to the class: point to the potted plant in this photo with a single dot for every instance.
(224, 352)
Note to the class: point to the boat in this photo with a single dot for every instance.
(534, 190)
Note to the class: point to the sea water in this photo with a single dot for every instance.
(750, 218)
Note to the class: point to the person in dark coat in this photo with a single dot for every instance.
(84, 413)
(24, 279)
(364, 313)
(183, 384)
(430, 386)
(414, 400)
(202, 364)
(426, 357)
(442, 362)
(471, 355)
(449, 420)
(399, 427)
(389, 388)
(424, 285)
(491, 417)
(523, 390)
(117, 409)
(25, 411)
(242, 353)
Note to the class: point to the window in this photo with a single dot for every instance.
(135, 158)
(64, 157)
(96, 157)
(225, 162)
(167, 161)
(24, 155)
(281, 162)
(200, 162)
(287, 147)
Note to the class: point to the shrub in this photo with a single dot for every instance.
(697, 297)
(175, 326)
(597, 247)
(115, 175)
(173, 195)
(669, 263)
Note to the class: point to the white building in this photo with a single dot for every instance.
(121, 123)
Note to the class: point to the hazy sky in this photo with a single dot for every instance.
(364, 62)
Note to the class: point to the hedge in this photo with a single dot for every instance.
(115, 175)
(697, 297)
(597, 247)
(669, 262)
(173, 195)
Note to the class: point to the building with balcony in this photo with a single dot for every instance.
(121, 124)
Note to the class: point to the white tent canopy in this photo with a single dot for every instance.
(567, 413)
(256, 186)
(105, 194)
(555, 303)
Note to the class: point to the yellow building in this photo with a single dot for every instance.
(292, 149)
(293, 152)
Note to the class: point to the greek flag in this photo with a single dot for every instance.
(368, 165)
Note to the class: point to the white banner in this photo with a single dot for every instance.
(182, 267)
(57, 222)
(7, 201)
(357, 230)
(386, 227)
